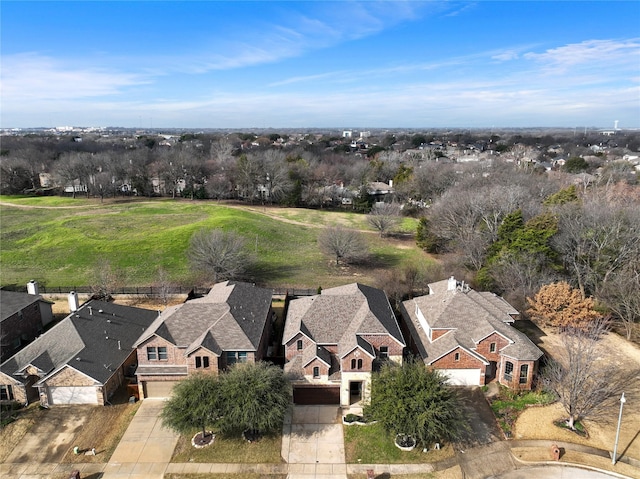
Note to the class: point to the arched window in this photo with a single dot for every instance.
(359, 363)
(353, 364)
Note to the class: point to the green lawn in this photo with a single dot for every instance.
(230, 450)
(373, 445)
(58, 241)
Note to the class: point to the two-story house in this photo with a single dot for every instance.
(334, 340)
(231, 324)
(23, 317)
(469, 336)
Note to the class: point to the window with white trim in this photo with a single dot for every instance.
(162, 353)
(456, 357)
(508, 371)
(299, 345)
(384, 352)
(524, 373)
(316, 372)
(492, 348)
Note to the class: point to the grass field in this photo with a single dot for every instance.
(59, 241)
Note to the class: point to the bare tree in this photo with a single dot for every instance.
(597, 240)
(621, 294)
(519, 276)
(276, 175)
(344, 244)
(218, 254)
(384, 217)
(106, 280)
(586, 388)
(163, 286)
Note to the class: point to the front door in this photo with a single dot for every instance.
(355, 392)
(491, 371)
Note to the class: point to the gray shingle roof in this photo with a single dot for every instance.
(470, 316)
(338, 315)
(232, 317)
(13, 301)
(95, 340)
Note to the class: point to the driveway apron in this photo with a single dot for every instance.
(146, 447)
(313, 443)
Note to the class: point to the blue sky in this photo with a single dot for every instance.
(241, 64)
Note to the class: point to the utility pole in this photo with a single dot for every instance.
(615, 446)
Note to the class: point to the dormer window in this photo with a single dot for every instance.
(492, 348)
(299, 345)
(456, 357)
(316, 372)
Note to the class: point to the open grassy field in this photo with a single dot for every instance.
(59, 241)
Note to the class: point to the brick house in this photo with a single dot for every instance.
(231, 324)
(334, 340)
(469, 336)
(81, 360)
(23, 317)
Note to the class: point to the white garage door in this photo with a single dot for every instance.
(158, 389)
(74, 395)
(462, 377)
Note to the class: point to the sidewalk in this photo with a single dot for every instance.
(312, 446)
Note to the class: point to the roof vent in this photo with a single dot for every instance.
(78, 359)
(100, 311)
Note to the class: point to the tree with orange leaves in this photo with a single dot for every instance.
(561, 306)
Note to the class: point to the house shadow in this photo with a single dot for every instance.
(533, 332)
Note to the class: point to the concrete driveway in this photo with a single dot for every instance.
(145, 448)
(482, 421)
(313, 443)
(47, 441)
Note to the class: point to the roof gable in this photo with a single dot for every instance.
(232, 316)
(471, 316)
(95, 340)
(338, 315)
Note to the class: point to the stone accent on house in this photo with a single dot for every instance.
(68, 376)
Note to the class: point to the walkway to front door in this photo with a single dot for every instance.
(313, 444)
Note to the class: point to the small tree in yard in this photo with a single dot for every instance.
(344, 244)
(587, 388)
(415, 401)
(256, 397)
(195, 403)
(558, 305)
(218, 254)
(384, 217)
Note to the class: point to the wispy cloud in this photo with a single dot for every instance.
(29, 76)
(595, 53)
